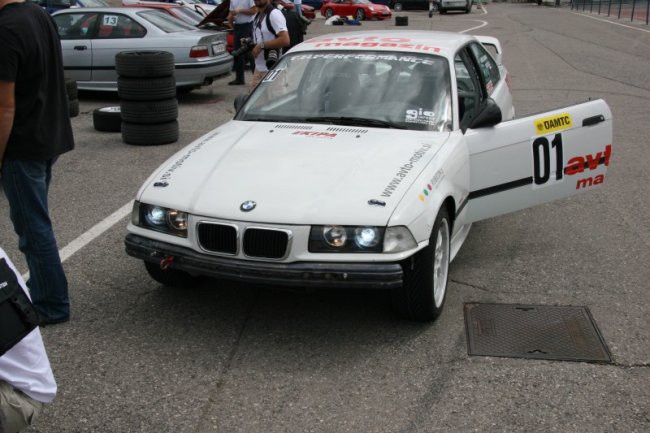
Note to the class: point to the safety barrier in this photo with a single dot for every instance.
(633, 10)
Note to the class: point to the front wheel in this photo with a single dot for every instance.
(424, 290)
(360, 15)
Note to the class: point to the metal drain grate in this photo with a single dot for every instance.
(563, 333)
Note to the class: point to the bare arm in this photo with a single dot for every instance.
(7, 110)
(282, 40)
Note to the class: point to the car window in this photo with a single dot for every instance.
(165, 22)
(487, 65)
(118, 26)
(409, 91)
(189, 16)
(468, 87)
(75, 26)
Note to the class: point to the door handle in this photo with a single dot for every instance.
(80, 47)
(593, 120)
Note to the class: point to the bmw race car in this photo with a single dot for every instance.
(361, 160)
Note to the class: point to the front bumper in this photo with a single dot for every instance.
(303, 274)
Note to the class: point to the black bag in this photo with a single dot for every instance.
(296, 27)
(17, 314)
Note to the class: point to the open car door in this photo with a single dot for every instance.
(533, 160)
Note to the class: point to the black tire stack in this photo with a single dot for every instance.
(147, 90)
(73, 97)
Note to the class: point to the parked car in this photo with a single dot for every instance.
(316, 4)
(91, 4)
(91, 37)
(183, 13)
(200, 7)
(399, 5)
(361, 161)
(360, 9)
(455, 5)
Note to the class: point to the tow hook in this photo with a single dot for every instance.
(166, 262)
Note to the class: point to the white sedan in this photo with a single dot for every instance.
(361, 160)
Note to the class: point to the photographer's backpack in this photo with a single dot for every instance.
(17, 315)
(296, 26)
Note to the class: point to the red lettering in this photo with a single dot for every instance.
(575, 165)
(593, 162)
(599, 179)
(608, 153)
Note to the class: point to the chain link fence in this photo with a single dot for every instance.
(632, 10)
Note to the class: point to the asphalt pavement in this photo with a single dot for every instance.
(227, 357)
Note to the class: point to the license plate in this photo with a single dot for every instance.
(218, 48)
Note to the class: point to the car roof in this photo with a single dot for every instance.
(120, 9)
(433, 42)
(152, 5)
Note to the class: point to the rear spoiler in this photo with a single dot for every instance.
(493, 46)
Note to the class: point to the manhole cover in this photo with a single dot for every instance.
(562, 333)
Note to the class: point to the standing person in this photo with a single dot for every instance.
(297, 7)
(34, 130)
(26, 380)
(240, 19)
(265, 39)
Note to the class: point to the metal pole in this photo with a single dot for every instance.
(633, 7)
(620, 5)
(599, 3)
(591, 6)
(647, 11)
(609, 8)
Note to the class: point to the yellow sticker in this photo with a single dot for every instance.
(553, 123)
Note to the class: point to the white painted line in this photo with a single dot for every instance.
(92, 234)
(610, 22)
(484, 23)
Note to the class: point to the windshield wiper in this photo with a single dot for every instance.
(354, 121)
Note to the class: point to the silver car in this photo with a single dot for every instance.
(91, 37)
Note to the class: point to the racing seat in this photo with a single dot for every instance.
(342, 87)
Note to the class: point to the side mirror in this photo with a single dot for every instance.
(240, 100)
(489, 115)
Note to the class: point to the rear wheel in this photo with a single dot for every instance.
(170, 277)
(329, 13)
(423, 294)
(360, 15)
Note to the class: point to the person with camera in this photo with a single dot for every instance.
(240, 19)
(268, 47)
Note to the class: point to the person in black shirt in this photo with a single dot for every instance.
(34, 130)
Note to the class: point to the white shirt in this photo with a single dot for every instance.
(242, 4)
(261, 34)
(25, 366)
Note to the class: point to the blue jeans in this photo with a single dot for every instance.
(26, 184)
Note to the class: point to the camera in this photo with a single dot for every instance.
(271, 57)
(247, 45)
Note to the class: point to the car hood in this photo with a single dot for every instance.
(296, 174)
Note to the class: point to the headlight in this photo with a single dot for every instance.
(398, 239)
(345, 239)
(162, 219)
(371, 9)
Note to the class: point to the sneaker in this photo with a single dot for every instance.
(236, 83)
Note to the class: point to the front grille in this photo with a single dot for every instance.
(270, 244)
(218, 238)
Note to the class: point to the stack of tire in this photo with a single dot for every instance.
(147, 90)
(73, 97)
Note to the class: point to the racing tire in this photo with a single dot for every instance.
(398, 7)
(149, 135)
(422, 296)
(402, 21)
(329, 13)
(170, 277)
(149, 112)
(107, 119)
(73, 108)
(153, 89)
(144, 64)
(71, 89)
(360, 15)
(434, 7)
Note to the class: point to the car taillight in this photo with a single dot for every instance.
(199, 51)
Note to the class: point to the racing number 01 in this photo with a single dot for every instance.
(542, 159)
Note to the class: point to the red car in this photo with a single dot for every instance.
(360, 9)
(307, 11)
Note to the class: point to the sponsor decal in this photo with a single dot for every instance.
(3, 284)
(166, 176)
(373, 42)
(315, 134)
(272, 75)
(435, 180)
(420, 117)
(367, 57)
(553, 123)
(404, 170)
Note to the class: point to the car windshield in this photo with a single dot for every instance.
(188, 15)
(381, 89)
(165, 22)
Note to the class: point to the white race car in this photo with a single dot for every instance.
(361, 160)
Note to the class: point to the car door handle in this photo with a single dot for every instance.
(590, 121)
(80, 47)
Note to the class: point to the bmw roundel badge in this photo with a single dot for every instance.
(248, 206)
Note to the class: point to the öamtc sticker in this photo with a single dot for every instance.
(553, 123)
